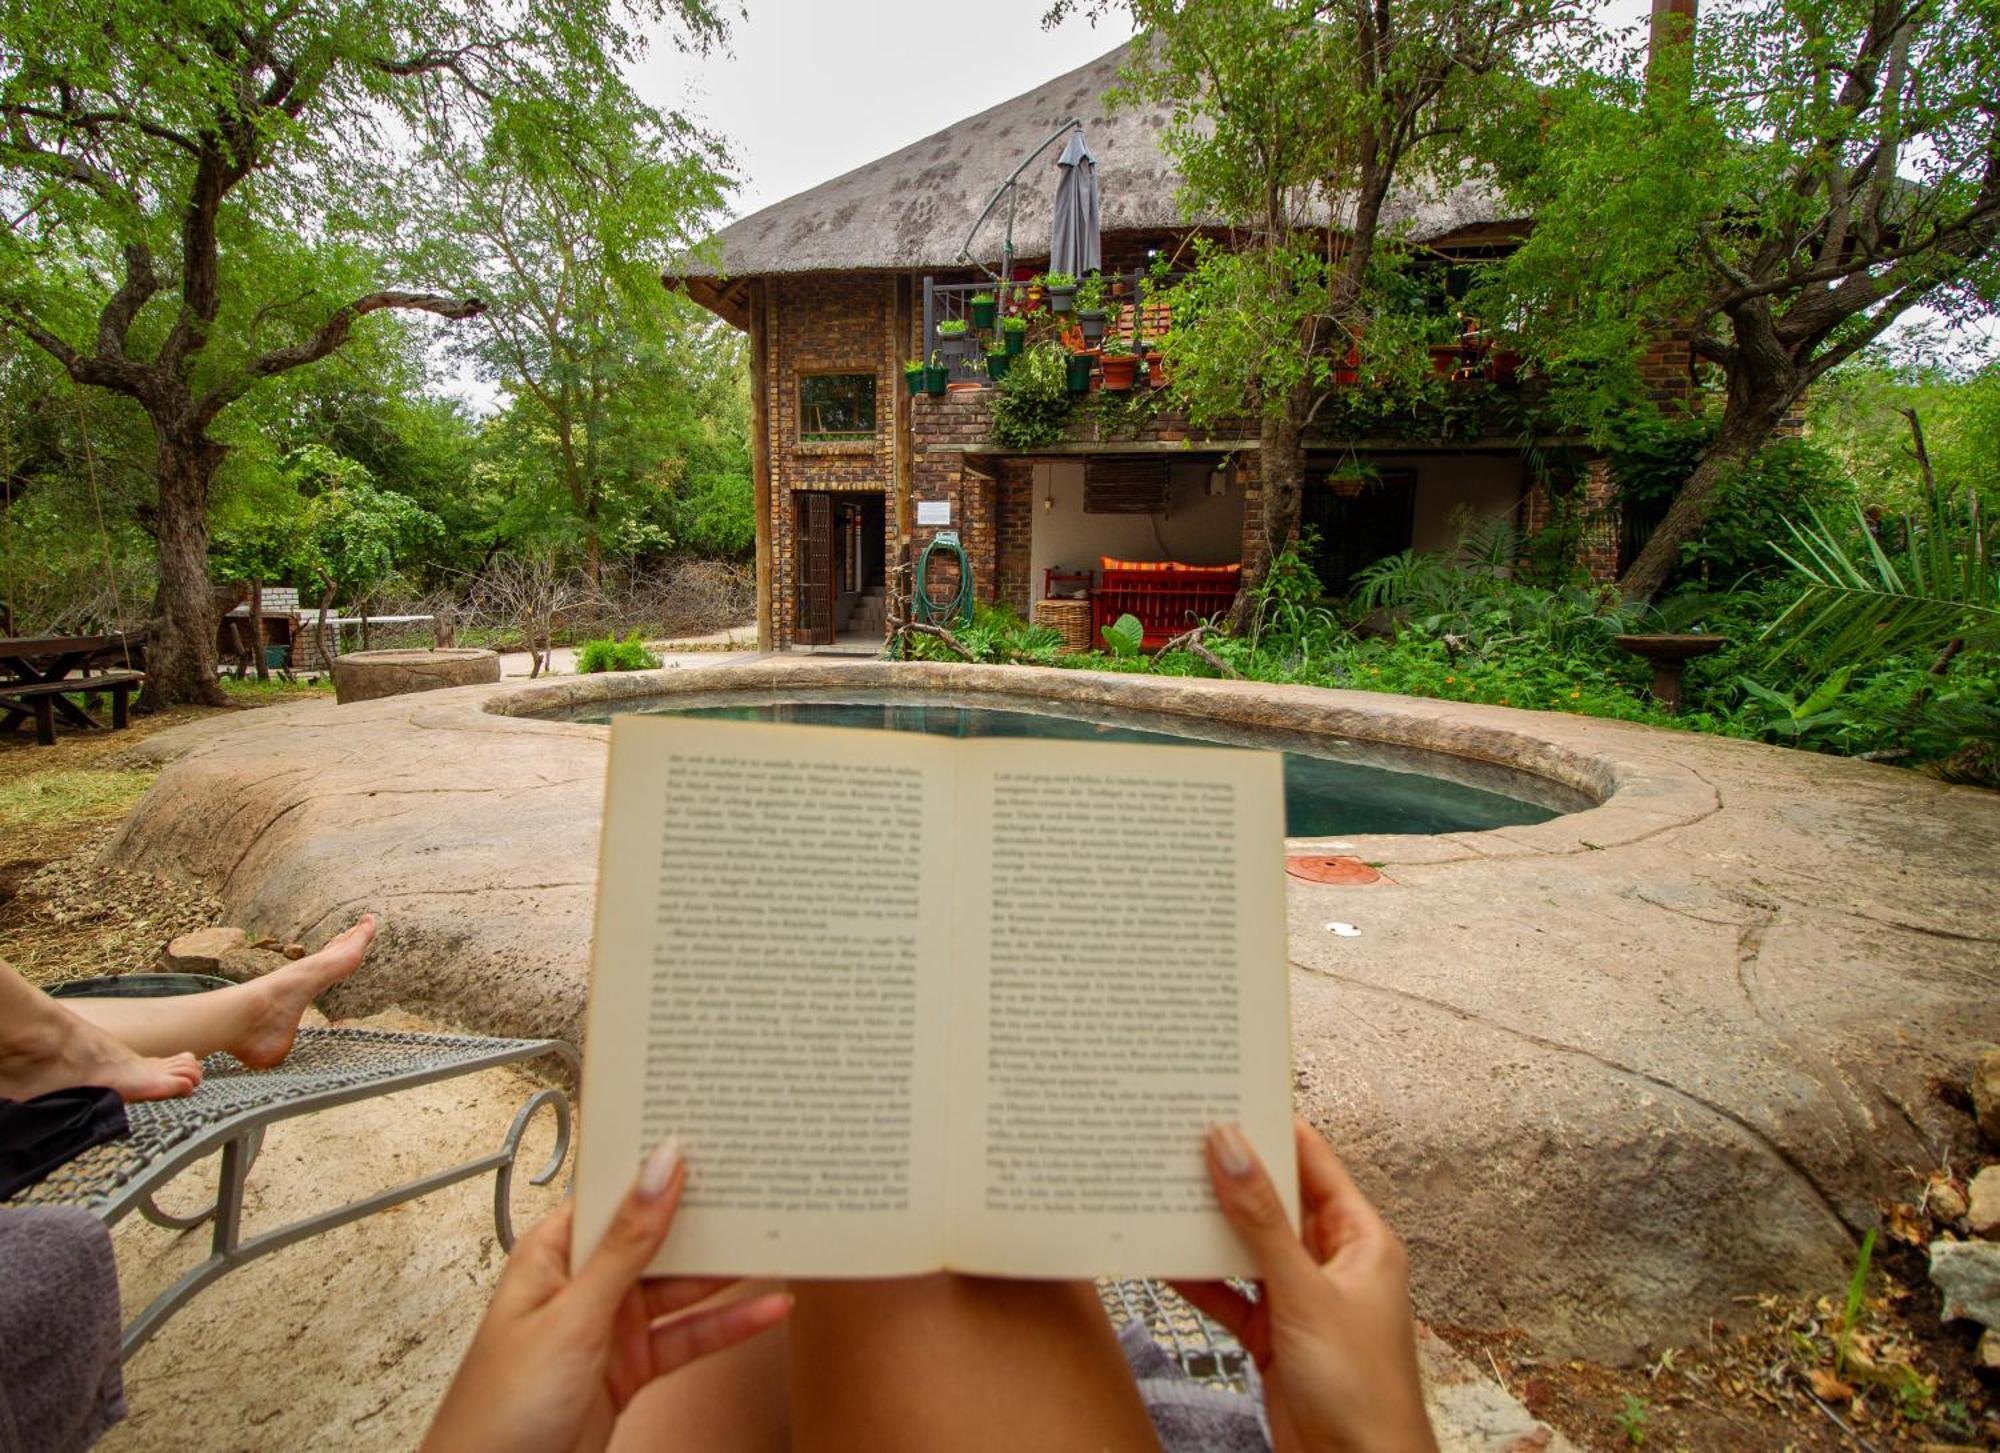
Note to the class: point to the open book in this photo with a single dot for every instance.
(912, 1003)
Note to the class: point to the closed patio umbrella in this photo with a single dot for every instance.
(1073, 244)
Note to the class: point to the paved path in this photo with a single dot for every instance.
(1608, 1073)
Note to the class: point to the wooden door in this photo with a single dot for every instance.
(815, 567)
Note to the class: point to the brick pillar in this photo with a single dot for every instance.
(1597, 544)
(1014, 518)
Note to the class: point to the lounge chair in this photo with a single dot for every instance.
(230, 1112)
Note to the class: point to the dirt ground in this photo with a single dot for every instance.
(347, 1340)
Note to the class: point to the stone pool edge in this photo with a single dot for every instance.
(1637, 791)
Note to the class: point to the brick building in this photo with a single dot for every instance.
(837, 286)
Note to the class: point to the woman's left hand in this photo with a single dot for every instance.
(558, 1357)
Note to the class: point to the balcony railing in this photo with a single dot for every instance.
(953, 302)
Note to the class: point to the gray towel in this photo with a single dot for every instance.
(60, 1387)
(1189, 1416)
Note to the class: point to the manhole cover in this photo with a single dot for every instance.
(1309, 869)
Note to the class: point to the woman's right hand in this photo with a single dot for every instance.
(1331, 1328)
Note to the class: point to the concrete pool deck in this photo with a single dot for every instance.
(1606, 1072)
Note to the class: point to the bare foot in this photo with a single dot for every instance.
(283, 994)
(63, 1051)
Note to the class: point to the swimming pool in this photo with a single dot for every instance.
(1334, 787)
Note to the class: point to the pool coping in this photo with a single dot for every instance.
(1637, 790)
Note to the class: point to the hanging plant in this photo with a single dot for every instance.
(1062, 291)
(983, 308)
(1014, 333)
(1120, 365)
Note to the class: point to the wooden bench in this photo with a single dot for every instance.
(1166, 599)
(20, 700)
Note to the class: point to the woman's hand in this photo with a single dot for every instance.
(558, 1357)
(1331, 1329)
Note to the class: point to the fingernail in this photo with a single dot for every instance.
(658, 1170)
(1232, 1151)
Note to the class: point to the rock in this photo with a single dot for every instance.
(371, 675)
(298, 951)
(244, 964)
(201, 952)
(1946, 1201)
(1986, 1094)
(1968, 1273)
(1982, 1203)
(1989, 1350)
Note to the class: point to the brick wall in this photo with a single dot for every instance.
(826, 323)
(1014, 508)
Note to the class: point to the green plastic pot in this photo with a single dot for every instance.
(982, 314)
(1015, 340)
(935, 379)
(913, 379)
(1079, 373)
(997, 365)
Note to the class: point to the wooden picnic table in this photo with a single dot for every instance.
(39, 675)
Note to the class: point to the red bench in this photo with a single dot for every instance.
(1166, 598)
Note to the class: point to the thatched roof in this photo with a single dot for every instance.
(913, 208)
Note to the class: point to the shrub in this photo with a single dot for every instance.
(609, 653)
(1031, 405)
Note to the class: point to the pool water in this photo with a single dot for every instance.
(1344, 788)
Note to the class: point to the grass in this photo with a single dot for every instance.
(42, 798)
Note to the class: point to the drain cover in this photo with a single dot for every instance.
(1309, 869)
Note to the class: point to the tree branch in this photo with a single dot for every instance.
(327, 337)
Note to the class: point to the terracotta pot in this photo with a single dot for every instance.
(1348, 373)
(1120, 369)
(1445, 359)
(1505, 367)
(1156, 370)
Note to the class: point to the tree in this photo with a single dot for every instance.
(354, 535)
(1292, 121)
(202, 198)
(560, 230)
(1789, 185)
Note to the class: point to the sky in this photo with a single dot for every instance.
(814, 88)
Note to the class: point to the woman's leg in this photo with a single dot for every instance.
(732, 1402)
(966, 1363)
(44, 1047)
(917, 1364)
(256, 1021)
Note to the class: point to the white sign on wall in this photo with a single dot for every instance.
(933, 511)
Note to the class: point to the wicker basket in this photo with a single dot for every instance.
(1069, 618)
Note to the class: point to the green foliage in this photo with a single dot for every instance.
(952, 327)
(1631, 1419)
(1032, 405)
(1124, 637)
(1013, 323)
(1289, 616)
(1870, 591)
(1792, 719)
(1857, 1290)
(610, 653)
(354, 535)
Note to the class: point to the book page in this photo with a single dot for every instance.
(1120, 982)
(768, 986)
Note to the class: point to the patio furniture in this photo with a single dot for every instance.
(1167, 599)
(39, 675)
(233, 1107)
(1205, 1351)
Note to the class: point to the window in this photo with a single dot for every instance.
(836, 406)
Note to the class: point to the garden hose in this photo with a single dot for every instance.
(959, 608)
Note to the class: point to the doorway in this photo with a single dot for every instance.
(841, 580)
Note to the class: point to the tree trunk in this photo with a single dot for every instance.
(1763, 382)
(180, 651)
(320, 633)
(1282, 462)
(257, 628)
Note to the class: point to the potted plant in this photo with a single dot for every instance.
(1503, 365)
(954, 338)
(1090, 307)
(1120, 365)
(982, 310)
(1018, 301)
(1035, 291)
(1078, 374)
(1156, 368)
(1014, 332)
(1062, 291)
(936, 376)
(998, 361)
(913, 376)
